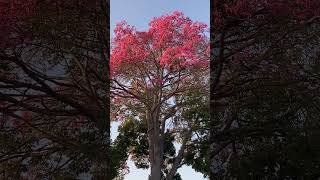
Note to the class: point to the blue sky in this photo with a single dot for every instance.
(138, 13)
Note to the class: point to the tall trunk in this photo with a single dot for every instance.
(155, 145)
(156, 168)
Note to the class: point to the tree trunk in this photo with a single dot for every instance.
(155, 146)
(156, 166)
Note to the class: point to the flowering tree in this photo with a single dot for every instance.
(152, 73)
(255, 45)
(54, 89)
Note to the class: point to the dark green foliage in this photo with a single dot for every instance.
(132, 140)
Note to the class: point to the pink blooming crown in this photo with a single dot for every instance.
(172, 40)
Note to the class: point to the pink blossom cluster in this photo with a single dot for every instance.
(158, 81)
(116, 100)
(129, 46)
(172, 41)
(292, 9)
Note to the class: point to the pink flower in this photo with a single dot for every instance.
(116, 100)
(176, 36)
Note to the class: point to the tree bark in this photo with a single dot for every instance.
(155, 145)
(179, 157)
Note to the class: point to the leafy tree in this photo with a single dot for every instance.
(152, 73)
(257, 69)
(54, 90)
